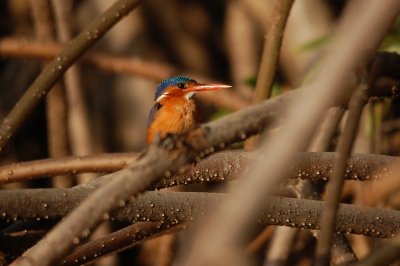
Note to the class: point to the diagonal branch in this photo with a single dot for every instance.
(120, 240)
(56, 68)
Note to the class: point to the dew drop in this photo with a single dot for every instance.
(85, 233)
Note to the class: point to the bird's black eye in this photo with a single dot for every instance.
(181, 86)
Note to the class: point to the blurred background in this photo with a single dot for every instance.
(218, 40)
(95, 111)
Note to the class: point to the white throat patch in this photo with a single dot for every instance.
(165, 94)
(189, 95)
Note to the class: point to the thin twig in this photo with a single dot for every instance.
(120, 240)
(102, 163)
(327, 129)
(272, 46)
(56, 103)
(270, 56)
(334, 187)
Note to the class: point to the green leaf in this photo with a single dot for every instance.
(314, 44)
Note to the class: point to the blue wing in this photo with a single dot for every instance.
(153, 112)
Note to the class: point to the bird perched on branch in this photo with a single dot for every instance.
(175, 110)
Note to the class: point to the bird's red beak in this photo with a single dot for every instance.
(207, 87)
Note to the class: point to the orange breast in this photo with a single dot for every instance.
(177, 114)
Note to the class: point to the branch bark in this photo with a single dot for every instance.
(222, 166)
(179, 207)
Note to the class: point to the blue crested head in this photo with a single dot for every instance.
(171, 82)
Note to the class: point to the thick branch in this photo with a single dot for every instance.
(227, 165)
(179, 207)
(55, 203)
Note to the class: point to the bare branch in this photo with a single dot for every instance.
(56, 103)
(179, 207)
(270, 55)
(334, 189)
(59, 65)
(272, 46)
(66, 165)
(120, 240)
(227, 165)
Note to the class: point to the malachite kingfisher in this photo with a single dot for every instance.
(175, 110)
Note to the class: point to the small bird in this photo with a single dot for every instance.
(175, 110)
